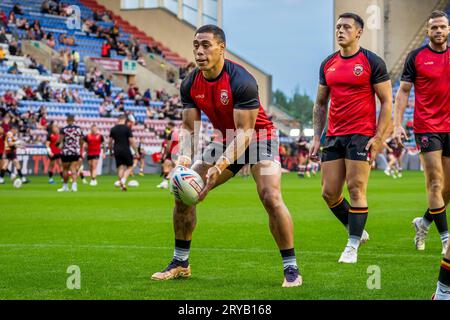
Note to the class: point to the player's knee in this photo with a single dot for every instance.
(271, 198)
(435, 186)
(330, 197)
(356, 191)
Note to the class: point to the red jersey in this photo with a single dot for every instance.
(53, 139)
(352, 96)
(429, 71)
(94, 144)
(2, 144)
(234, 88)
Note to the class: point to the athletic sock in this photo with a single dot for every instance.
(440, 219)
(356, 222)
(182, 249)
(427, 219)
(81, 175)
(19, 173)
(301, 170)
(340, 210)
(2, 173)
(50, 174)
(444, 273)
(289, 259)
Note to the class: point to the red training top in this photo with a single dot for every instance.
(351, 80)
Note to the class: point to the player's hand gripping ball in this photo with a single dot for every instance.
(186, 184)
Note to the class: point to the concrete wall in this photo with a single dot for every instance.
(390, 24)
(164, 26)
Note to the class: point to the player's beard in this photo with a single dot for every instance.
(441, 42)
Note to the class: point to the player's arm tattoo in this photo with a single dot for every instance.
(383, 91)
(189, 133)
(320, 110)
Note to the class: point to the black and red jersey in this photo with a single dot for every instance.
(94, 144)
(429, 71)
(352, 96)
(234, 88)
(53, 139)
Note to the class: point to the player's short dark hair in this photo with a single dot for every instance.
(122, 117)
(218, 33)
(437, 14)
(354, 16)
(171, 124)
(70, 117)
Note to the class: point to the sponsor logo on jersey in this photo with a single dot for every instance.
(224, 99)
(358, 69)
(429, 63)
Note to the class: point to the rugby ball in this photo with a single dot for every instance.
(133, 183)
(17, 183)
(186, 185)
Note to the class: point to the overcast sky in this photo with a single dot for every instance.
(286, 38)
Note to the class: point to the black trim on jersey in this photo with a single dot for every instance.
(377, 66)
(322, 79)
(185, 90)
(438, 52)
(409, 69)
(352, 56)
(243, 87)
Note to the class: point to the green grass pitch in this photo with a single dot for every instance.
(119, 239)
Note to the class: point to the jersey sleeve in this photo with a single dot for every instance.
(322, 79)
(409, 69)
(185, 91)
(378, 68)
(130, 133)
(246, 95)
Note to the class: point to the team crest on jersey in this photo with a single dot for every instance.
(358, 69)
(224, 97)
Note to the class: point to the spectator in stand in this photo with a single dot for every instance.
(44, 90)
(89, 80)
(132, 91)
(75, 96)
(75, 57)
(147, 97)
(12, 17)
(114, 32)
(66, 40)
(121, 49)
(108, 86)
(17, 9)
(51, 40)
(66, 77)
(9, 98)
(99, 88)
(3, 19)
(14, 49)
(21, 23)
(3, 38)
(120, 107)
(14, 69)
(2, 55)
(29, 93)
(106, 49)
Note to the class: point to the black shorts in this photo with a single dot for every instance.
(428, 142)
(93, 157)
(351, 147)
(11, 156)
(256, 152)
(69, 158)
(55, 157)
(124, 159)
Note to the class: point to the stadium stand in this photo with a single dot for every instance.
(20, 73)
